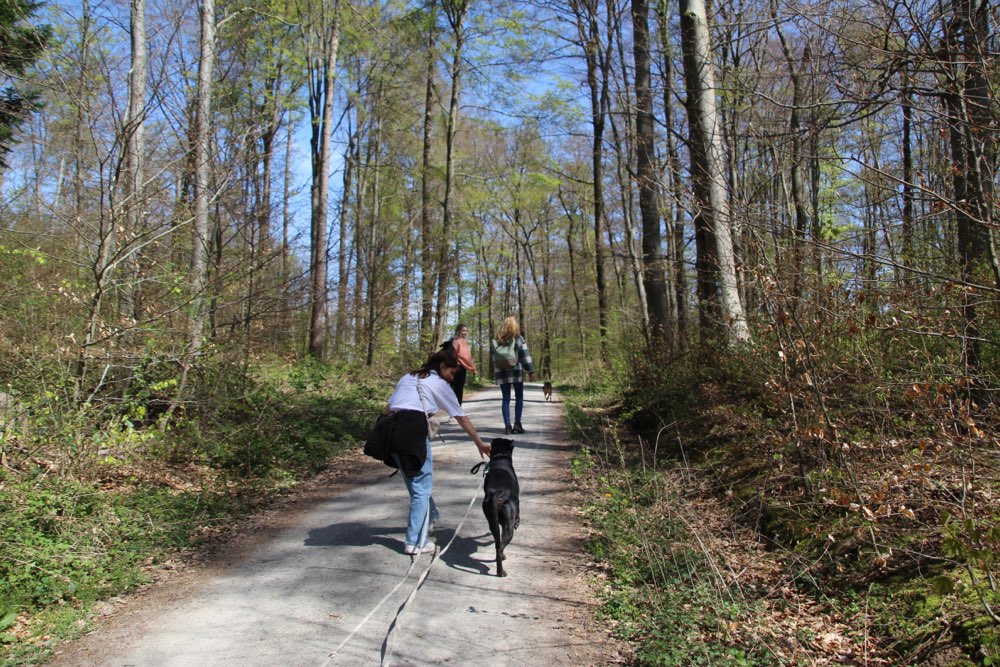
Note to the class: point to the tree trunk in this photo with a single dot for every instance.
(456, 11)
(325, 74)
(907, 221)
(795, 169)
(200, 140)
(815, 174)
(82, 112)
(652, 261)
(578, 302)
(679, 275)
(203, 119)
(286, 218)
(968, 102)
(596, 57)
(375, 269)
(707, 167)
(426, 247)
(134, 150)
(624, 147)
(350, 164)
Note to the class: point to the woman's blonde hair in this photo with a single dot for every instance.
(509, 330)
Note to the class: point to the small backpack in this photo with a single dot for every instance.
(504, 356)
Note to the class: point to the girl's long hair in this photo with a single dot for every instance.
(444, 357)
(509, 330)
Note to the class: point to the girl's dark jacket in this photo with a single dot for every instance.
(400, 436)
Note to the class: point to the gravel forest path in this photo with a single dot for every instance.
(323, 579)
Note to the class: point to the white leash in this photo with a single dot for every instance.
(389, 646)
(381, 602)
(395, 624)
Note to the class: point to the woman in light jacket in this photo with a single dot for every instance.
(509, 331)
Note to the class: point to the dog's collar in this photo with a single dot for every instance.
(485, 465)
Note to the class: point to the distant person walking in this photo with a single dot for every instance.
(418, 395)
(465, 364)
(511, 360)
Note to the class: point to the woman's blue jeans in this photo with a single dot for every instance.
(518, 402)
(423, 511)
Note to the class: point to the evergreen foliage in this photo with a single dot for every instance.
(21, 43)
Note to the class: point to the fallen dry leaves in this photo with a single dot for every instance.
(793, 625)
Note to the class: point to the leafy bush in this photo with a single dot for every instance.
(281, 422)
(64, 541)
(847, 445)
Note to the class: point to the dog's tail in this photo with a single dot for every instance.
(503, 514)
(500, 515)
(509, 520)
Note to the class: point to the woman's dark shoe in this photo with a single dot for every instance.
(517, 429)
(506, 430)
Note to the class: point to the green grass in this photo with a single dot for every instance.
(65, 545)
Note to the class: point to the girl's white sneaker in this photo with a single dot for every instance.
(413, 550)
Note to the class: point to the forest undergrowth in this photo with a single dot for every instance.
(99, 499)
(741, 516)
(764, 508)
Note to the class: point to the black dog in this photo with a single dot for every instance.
(501, 504)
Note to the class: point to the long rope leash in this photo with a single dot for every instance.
(387, 646)
(396, 624)
(413, 561)
(333, 654)
(406, 575)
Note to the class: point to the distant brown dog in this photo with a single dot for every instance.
(547, 390)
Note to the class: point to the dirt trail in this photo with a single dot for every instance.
(324, 581)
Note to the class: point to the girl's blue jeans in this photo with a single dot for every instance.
(518, 402)
(423, 511)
